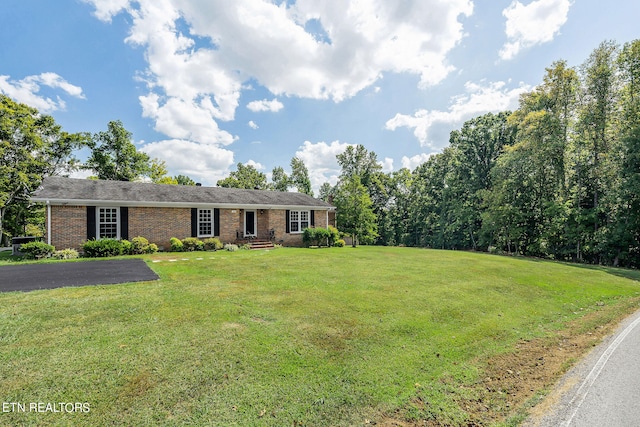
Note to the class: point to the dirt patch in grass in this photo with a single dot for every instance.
(509, 383)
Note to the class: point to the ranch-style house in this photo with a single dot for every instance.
(78, 210)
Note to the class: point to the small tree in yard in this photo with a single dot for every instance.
(355, 215)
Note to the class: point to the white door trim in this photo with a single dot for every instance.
(255, 223)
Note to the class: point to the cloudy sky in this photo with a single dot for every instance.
(204, 84)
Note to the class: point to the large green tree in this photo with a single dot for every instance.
(595, 168)
(300, 176)
(527, 207)
(279, 179)
(245, 176)
(32, 146)
(114, 155)
(354, 211)
(326, 192)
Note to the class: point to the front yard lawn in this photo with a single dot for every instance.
(298, 337)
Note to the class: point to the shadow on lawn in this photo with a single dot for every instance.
(615, 271)
(626, 273)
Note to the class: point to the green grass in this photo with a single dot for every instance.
(288, 337)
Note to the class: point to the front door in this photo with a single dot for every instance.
(249, 223)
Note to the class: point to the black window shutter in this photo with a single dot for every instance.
(313, 218)
(216, 222)
(286, 221)
(124, 223)
(194, 222)
(91, 222)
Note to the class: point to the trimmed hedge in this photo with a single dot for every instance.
(37, 250)
(191, 244)
(176, 245)
(103, 248)
(66, 254)
(212, 244)
(114, 247)
(140, 245)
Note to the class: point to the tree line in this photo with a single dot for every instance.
(558, 178)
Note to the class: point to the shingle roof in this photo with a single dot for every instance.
(57, 190)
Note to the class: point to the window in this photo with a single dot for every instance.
(107, 223)
(205, 222)
(298, 221)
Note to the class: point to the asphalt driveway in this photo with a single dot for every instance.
(30, 277)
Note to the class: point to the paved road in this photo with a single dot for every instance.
(603, 390)
(29, 277)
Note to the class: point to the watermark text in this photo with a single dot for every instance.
(46, 407)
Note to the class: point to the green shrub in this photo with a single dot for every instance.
(315, 236)
(127, 247)
(230, 247)
(152, 249)
(140, 245)
(102, 248)
(176, 245)
(36, 250)
(191, 244)
(66, 254)
(212, 244)
(339, 243)
(334, 235)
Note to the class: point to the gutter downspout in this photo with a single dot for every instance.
(48, 223)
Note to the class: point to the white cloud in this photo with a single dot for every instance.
(320, 160)
(493, 97)
(201, 53)
(257, 165)
(413, 162)
(27, 91)
(273, 106)
(106, 9)
(253, 125)
(387, 164)
(204, 163)
(184, 119)
(536, 23)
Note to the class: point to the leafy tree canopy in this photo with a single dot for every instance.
(115, 157)
(355, 215)
(300, 176)
(246, 176)
(184, 180)
(32, 146)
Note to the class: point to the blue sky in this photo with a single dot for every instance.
(204, 84)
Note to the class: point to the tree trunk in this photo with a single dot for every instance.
(2, 212)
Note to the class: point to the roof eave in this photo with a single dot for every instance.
(153, 204)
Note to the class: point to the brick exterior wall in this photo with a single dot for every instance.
(332, 219)
(68, 226)
(229, 224)
(264, 224)
(159, 225)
